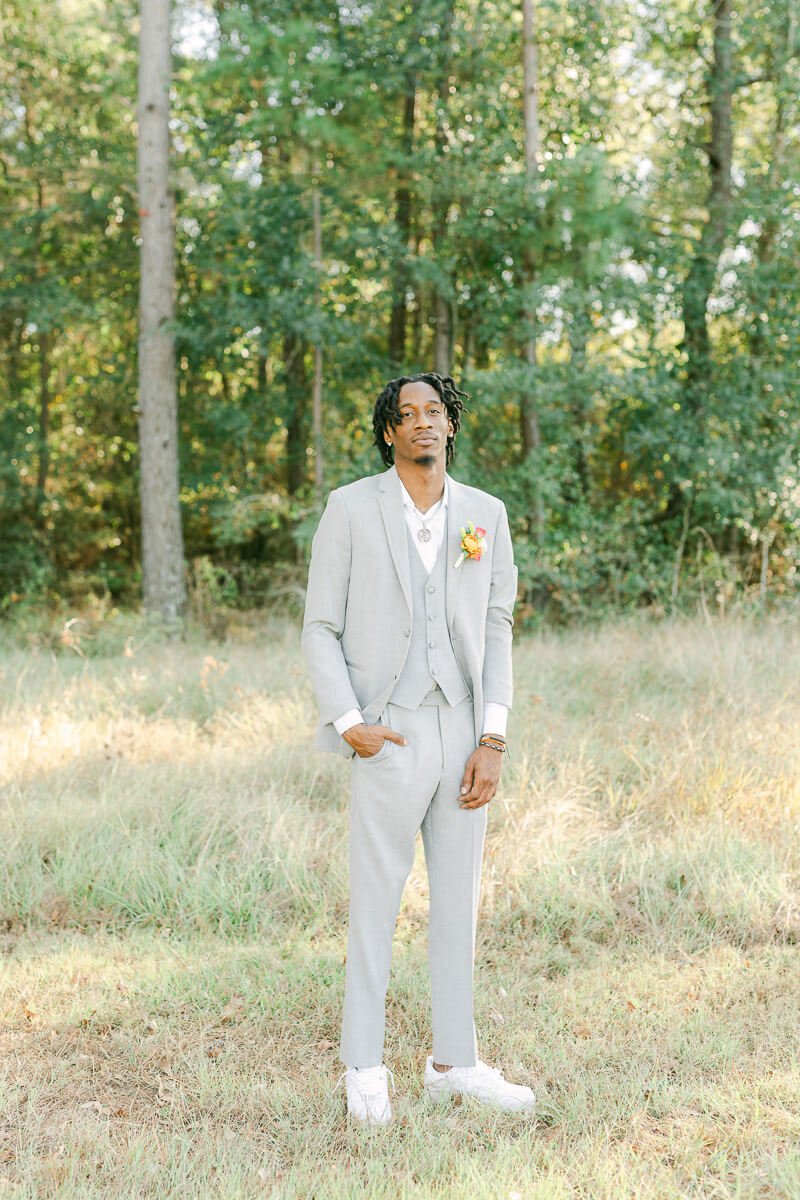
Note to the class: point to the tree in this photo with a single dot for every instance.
(403, 219)
(703, 269)
(164, 588)
(529, 416)
(67, 327)
(395, 138)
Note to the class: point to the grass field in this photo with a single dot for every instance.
(173, 913)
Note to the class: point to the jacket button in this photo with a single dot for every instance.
(430, 589)
(432, 645)
(406, 633)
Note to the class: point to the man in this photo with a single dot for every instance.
(407, 635)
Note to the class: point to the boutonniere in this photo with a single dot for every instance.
(473, 543)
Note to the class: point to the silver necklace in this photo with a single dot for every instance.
(423, 534)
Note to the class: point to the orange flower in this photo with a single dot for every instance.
(473, 543)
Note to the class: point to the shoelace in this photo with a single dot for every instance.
(484, 1076)
(366, 1091)
(484, 1071)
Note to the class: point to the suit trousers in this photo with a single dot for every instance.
(396, 793)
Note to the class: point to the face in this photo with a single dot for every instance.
(423, 427)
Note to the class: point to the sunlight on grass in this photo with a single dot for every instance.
(173, 908)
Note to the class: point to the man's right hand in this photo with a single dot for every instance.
(367, 740)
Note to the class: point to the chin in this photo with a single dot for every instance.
(426, 459)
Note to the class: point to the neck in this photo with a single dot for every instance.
(424, 483)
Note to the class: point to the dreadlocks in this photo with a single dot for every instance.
(386, 416)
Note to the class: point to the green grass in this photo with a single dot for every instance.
(173, 901)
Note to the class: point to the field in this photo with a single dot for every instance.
(173, 912)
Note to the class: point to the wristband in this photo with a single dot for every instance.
(494, 742)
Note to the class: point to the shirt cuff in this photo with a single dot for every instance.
(495, 718)
(347, 721)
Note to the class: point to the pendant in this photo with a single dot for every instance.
(423, 535)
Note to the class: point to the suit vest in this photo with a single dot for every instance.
(431, 659)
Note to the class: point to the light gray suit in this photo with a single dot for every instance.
(357, 638)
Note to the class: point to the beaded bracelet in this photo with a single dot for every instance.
(494, 741)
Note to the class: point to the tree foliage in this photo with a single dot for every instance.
(658, 252)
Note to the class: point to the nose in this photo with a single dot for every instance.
(424, 421)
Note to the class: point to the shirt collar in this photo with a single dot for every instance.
(434, 509)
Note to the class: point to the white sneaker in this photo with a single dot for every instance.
(484, 1083)
(368, 1094)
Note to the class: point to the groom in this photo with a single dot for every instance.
(407, 635)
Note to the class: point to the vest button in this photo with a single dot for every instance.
(432, 645)
(431, 617)
(430, 589)
(406, 633)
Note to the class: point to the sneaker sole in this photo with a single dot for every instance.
(437, 1097)
(351, 1116)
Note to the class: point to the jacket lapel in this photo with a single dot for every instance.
(391, 506)
(457, 516)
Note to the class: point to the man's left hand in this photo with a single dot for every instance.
(481, 777)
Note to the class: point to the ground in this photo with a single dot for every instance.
(173, 914)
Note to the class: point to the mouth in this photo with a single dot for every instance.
(426, 439)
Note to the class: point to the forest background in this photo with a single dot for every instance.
(360, 190)
(648, 451)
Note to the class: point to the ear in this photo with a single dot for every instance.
(386, 438)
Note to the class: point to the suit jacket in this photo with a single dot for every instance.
(357, 626)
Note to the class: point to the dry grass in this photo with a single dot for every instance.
(173, 905)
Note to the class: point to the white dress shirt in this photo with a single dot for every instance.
(495, 716)
(435, 519)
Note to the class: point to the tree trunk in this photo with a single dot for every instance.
(403, 212)
(766, 298)
(481, 355)
(530, 100)
(294, 352)
(45, 341)
(466, 346)
(769, 229)
(416, 335)
(442, 312)
(316, 391)
(702, 270)
(45, 346)
(14, 335)
(442, 344)
(528, 408)
(579, 327)
(164, 587)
